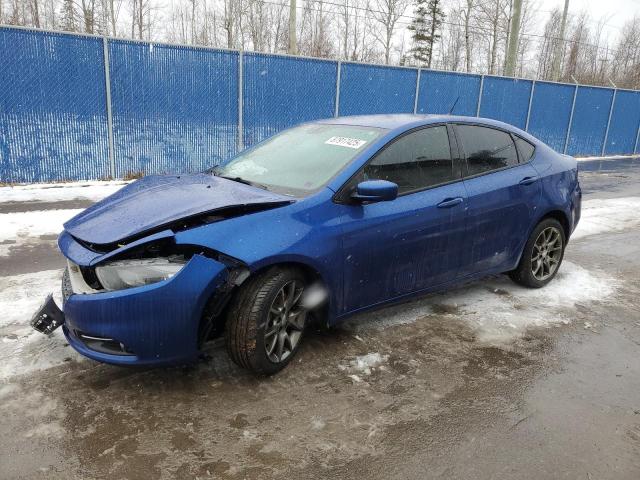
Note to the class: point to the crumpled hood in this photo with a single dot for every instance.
(159, 200)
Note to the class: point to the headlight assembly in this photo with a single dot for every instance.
(134, 273)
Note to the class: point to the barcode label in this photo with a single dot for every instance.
(346, 142)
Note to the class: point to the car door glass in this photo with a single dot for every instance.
(486, 149)
(525, 149)
(415, 161)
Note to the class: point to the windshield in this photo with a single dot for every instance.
(300, 160)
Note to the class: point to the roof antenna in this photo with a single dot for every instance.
(454, 105)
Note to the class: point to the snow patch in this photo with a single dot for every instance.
(21, 228)
(22, 349)
(364, 364)
(608, 215)
(498, 310)
(57, 192)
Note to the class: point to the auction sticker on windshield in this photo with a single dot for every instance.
(346, 142)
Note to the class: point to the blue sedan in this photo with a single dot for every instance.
(322, 220)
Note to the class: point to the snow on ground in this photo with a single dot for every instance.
(56, 192)
(365, 364)
(19, 228)
(498, 310)
(608, 215)
(22, 349)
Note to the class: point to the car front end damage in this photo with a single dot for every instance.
(151, 302)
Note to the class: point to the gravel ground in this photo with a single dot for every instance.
(486, 381)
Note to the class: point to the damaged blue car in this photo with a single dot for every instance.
(322, 220)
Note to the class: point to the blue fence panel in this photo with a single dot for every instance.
(625, 120)
(52, 107)
(589, 123)
(175, 109)
(506, 99)
(440, 91)
(279, 92)
(550, 113)
(376, 89)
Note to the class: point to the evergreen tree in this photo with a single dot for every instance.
(69, 18)
(425, 27)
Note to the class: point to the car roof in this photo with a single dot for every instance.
(400, 120)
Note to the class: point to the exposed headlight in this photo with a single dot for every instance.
(134, 273)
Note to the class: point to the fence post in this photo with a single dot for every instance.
(606, 133)
(240, 102)
(573, 106)
(336, 110)
(107, 84)
(415, 100)
(480, 95)
(635, 147)
(533, 88)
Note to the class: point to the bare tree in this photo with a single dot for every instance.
(467, 13)
(626, 58)
(387, 13)
(453, 42)
(491, 16)
(34, 7)
(110, 8)
(230, 21)
(142, 18)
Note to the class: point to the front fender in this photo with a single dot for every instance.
(307, 232)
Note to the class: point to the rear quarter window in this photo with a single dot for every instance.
(525, 149)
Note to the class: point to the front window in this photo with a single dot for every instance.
(300, 160)
(416, 161)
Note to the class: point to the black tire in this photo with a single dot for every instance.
(249, 317)
(524, 273)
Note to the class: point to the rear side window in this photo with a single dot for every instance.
(416, 161)
(486, 148)
(525, 149)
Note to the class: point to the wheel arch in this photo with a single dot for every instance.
(311, 273)
(561, 217)
(555, 213)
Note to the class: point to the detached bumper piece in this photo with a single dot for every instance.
(48, 317)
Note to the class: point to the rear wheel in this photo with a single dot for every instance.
(266, 321)
(542, 255)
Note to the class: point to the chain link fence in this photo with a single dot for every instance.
(84, 107)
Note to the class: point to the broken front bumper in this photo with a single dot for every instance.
(149, 325)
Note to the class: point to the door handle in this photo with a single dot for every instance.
(528, 180)
(450, 202)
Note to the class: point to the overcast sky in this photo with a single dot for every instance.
(616, 12)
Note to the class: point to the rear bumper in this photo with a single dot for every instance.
(576, 207)
(156, 324)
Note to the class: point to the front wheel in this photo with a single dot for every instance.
(266, 321)
(542, 255)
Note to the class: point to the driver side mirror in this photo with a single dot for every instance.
(375, 191)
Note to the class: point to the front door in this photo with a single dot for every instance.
(409, 244)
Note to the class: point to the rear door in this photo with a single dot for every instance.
(503, 193)
(411, 243)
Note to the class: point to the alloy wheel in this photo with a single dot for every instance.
(285, 322)
(547, 253)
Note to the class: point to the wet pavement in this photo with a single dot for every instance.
(557, 400)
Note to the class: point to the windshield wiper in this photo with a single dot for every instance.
(243, 180)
